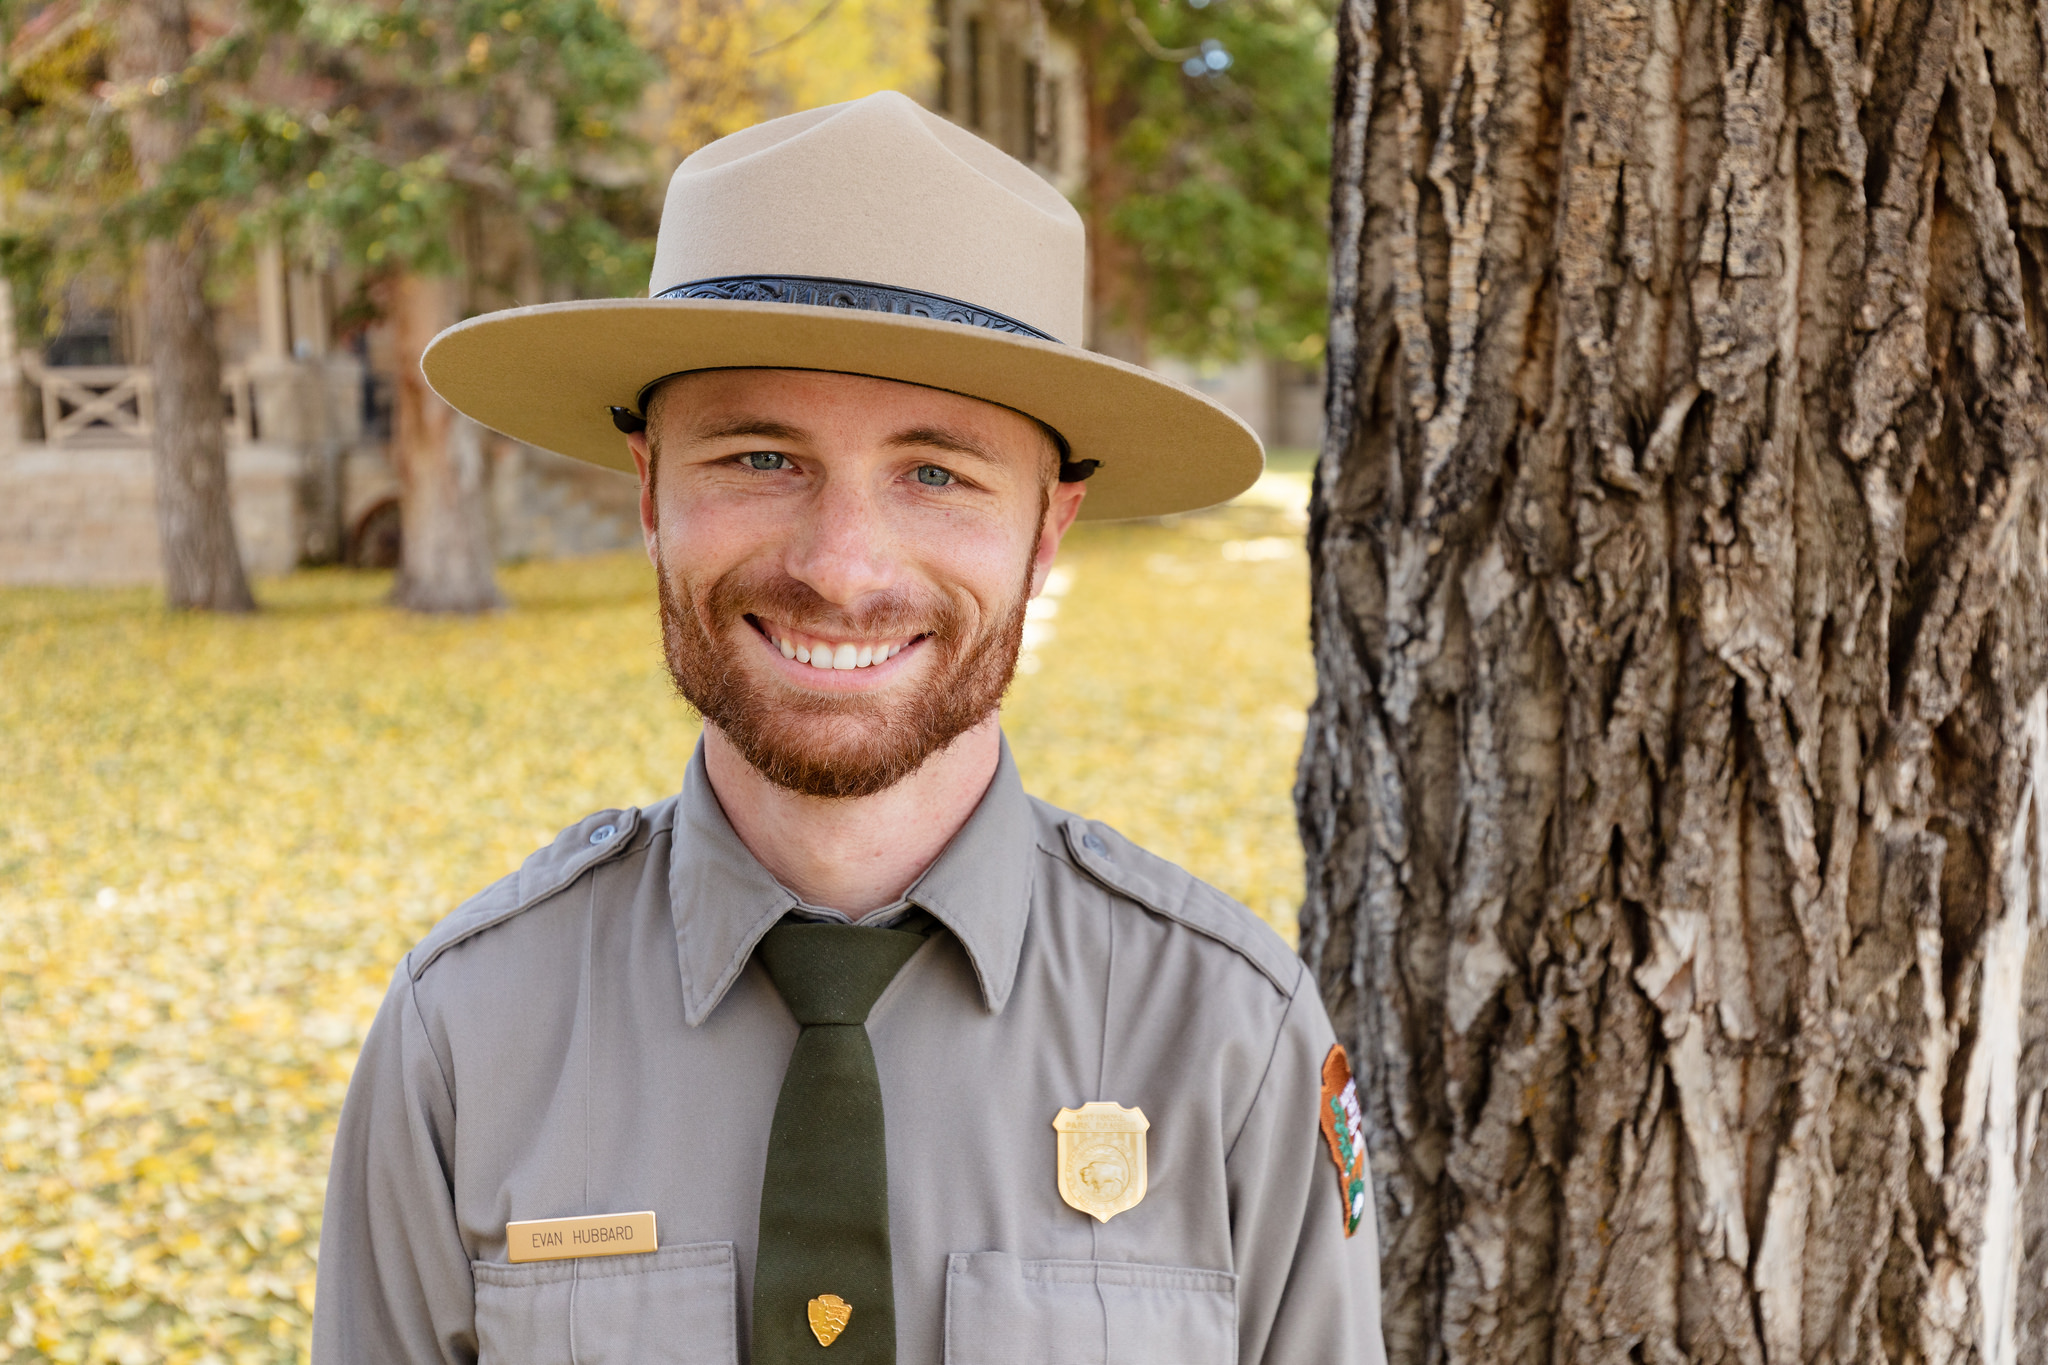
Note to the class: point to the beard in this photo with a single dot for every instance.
(825, 745)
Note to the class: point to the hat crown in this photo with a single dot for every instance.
(880, 191)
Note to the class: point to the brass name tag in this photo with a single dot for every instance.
(562, 1239)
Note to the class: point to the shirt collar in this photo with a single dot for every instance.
(723, 900)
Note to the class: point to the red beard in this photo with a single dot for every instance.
(825, 745)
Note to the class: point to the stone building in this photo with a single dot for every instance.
(307, 417)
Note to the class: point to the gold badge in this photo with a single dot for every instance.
(566, 1239)
(1102, 1158)
(829, 1316)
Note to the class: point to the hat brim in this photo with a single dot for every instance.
(548, 375)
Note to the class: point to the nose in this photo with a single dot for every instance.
(842, 548)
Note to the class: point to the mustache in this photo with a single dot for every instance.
(790, 602)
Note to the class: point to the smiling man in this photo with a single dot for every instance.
(851, 1051)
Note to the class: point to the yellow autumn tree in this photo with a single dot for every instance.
(733, 63)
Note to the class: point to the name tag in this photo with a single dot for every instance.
(564, 1239)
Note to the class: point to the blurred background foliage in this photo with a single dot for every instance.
(512, 142)
(1209, 171)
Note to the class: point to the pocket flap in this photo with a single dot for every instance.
(677, 1305)
(1004, 1311)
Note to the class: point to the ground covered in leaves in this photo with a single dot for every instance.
(218, 836)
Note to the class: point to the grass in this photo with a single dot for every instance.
(217, 836)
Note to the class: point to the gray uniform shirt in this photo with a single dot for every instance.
(592, 1035)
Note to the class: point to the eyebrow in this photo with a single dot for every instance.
(747, 426)
(924, 437)
(940, 438)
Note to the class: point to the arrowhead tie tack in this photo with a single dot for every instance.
(829, 1315)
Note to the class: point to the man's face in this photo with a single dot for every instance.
(843, 563)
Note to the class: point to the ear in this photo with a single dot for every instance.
(643, 466)
(1059, 516)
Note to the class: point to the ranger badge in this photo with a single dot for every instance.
(1344, 1130)
(1102, 1158)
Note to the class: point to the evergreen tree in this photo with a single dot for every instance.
(459, 153)
(465, 154)
(1208, 173)
(99, 116)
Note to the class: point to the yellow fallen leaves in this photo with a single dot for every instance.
(1171, 699)
(218, 836)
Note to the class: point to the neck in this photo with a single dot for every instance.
(859, 854)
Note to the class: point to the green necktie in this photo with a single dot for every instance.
(825, 1196)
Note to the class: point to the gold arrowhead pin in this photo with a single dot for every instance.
(829, 1316)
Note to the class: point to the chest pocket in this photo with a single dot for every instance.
(1003, 1311)
(675, 1306)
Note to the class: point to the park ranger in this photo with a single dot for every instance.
(850, 1052)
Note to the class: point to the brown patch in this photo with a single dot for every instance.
(1344, 1130)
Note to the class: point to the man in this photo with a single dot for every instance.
(851, 1051)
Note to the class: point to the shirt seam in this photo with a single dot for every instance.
(566, 882)
(412, 998)
(1118, 893)
(1259, 1092)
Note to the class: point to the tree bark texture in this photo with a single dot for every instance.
(445, 559)
(1673, 796)
(202, 563)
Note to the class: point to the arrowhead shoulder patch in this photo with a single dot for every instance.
(1344, 1129)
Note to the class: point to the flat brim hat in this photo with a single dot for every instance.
(870, 238)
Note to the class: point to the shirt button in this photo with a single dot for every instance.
(1094, 845)
(603, 834)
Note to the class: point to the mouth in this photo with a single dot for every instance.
(830, 655)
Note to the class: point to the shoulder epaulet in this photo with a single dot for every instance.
(585, 844)
(1182, 897)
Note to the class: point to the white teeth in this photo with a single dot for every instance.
(838, 656)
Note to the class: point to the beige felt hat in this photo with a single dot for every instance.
(870, 238)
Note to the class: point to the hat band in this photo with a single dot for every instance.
(859, 294)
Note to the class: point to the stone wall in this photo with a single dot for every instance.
(545, 506)
(86, 515)
(1283, 403)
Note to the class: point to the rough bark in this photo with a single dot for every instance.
(1673, 795)
(445, 555)
(202, 563)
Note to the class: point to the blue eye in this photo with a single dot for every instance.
(766, 460)
(931, 476)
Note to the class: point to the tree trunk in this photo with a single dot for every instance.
(202, 563)
(1672, 796)
(445, 559)
(1117, 284)
(10, 367)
